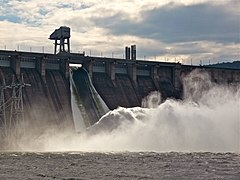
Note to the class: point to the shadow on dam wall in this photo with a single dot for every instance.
(46, 101)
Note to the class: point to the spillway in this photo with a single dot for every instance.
(78, 109)
(90, 104)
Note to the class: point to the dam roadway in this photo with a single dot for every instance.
(119, 82)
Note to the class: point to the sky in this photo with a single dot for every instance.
(197, 31)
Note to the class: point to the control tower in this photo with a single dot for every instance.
(60, 35)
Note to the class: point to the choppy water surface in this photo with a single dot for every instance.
(79, 165)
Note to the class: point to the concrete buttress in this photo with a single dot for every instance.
(15, 64)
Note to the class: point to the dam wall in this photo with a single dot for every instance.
(47, 98)
(217, 75)
(129, 84)
(118, 92)
(46, 102)
(124, 83)
(119, 82)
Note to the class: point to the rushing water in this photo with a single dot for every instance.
(142, 165)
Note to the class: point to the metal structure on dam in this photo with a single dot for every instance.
(119, 82)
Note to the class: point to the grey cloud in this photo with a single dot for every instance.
(186, 49)
(179, 23)
(190, 48)
(77, 6)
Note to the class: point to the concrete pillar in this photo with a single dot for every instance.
(154, 72)
(132, 72)
(89, 67)
(15, 64)
(40, 65)
(110, 69)
(155, 76)
(177, 76)
(64, 67)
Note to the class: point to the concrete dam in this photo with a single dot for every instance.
(36, 86)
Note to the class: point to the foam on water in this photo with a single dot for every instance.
(207, 119)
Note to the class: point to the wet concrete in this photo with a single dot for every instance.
(125, 93)
(46, 102)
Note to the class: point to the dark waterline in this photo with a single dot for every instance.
(125, 165)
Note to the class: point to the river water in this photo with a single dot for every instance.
(126, 165)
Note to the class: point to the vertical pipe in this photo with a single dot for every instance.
(133, 52)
